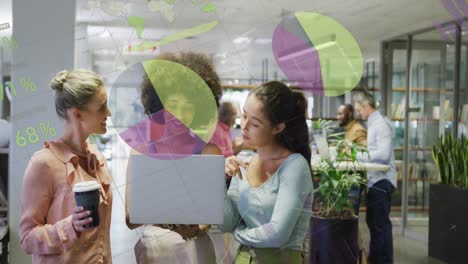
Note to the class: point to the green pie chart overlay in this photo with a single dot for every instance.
(162, 107)
(317, 53)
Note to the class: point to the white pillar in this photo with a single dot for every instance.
(44, 31)
(82, 51)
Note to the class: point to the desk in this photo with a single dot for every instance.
(346, 165)
(360, 167)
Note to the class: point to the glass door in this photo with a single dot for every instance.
(394, 79)
(429, 113)
(463, 96)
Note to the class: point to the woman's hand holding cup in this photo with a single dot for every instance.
(80, 219)
(87, 197)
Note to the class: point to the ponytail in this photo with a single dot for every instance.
(281, 104)
(296, 134)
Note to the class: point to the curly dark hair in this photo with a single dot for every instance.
(197, 62)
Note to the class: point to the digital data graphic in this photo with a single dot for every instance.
(10, 88)
(172, 110)
(458, 9)
(317, 53)
(31, 134)
(4, 26)
(190, 32)
(10, 42)
(165, 111)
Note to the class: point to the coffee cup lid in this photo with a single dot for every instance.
(86, 186)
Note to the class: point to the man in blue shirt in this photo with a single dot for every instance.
(380, 184)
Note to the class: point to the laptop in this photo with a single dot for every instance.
(176, 190)
(322, 145)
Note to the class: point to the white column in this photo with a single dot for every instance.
(44, 31)
(82, 51)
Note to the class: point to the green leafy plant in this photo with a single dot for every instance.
(332, 195)
(326, 126)
(451, 158)
(322, 125)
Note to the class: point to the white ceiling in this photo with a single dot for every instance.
(370, 21)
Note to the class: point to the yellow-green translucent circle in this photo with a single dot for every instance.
(170, 78)
(341, 60)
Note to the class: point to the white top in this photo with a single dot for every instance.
(275, 214)
(380, 146)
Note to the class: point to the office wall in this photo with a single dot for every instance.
(44, 31)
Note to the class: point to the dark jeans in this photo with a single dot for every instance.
(378, 221)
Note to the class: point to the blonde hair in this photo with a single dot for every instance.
(74, 89)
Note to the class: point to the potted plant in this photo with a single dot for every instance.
(448, 214)
(334, 223)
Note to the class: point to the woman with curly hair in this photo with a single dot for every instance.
(175, 243)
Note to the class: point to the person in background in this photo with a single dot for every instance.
(268, 205)
(354, 132)
(51, 226)
(380, 184)
(222, 136)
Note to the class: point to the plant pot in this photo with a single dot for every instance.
(448, 223)
(334, 240)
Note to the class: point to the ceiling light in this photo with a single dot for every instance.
(105, 34)
(220, 55)
(242, 40)
(105, 52)
(263, 41)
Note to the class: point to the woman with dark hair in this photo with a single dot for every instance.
(172, 87)
(268, 206)
(176, 243)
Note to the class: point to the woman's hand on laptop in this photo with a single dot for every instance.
(232, 166)
(204, 228)
(187, 232)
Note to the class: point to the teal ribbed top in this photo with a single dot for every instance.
(277, 213)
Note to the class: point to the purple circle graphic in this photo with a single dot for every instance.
(317, 53)
(163, 109)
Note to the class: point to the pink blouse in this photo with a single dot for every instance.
(222, 138)
(47, 203)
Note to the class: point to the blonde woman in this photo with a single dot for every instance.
(52, 226)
